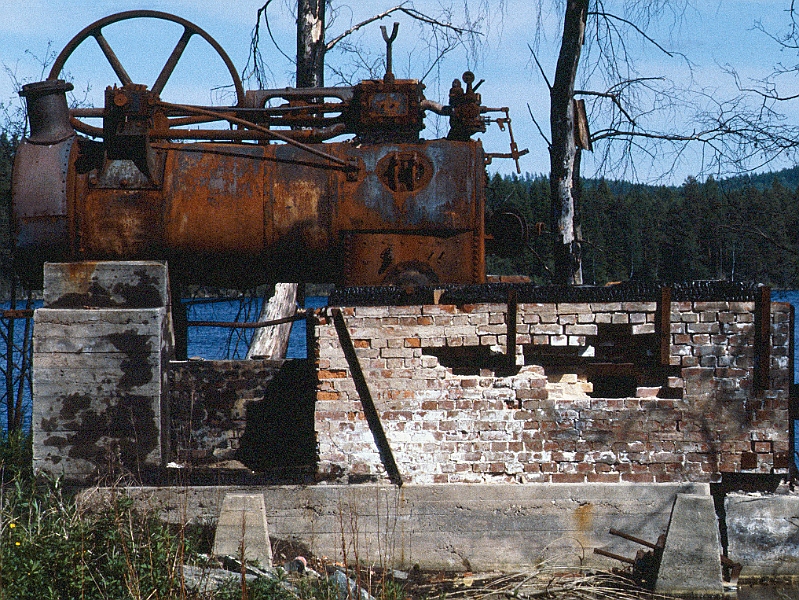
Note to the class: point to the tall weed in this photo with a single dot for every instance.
(51, 549)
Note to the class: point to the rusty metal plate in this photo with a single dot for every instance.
(300, 198)
(401, 260)
(446, 199)
(214, 198)
(39, 187)
(121, 224)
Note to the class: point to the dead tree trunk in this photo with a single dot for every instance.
(273, 341)
(310, 43)
(562, 153)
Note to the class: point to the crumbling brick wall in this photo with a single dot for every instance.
(592, 398)
(208, 406)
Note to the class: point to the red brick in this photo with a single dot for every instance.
(638, 477)
(568, 478)
(332, 374)
(763, 447)
(603, 477)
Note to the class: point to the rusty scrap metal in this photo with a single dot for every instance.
(298, 316)
(645, 565)
(383, 209)
(17, 314)
(514, 153)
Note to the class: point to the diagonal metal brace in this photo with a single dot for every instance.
(369, 410)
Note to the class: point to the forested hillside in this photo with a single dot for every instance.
(741, 229)
(732, 229)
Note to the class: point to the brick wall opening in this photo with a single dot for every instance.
(469, 360)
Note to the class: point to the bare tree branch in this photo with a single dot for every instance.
(641, 32)
(540, 131)
(540, 68)
(411, 12)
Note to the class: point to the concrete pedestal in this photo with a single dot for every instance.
(101, 349)
(242, 529)
(691, 564)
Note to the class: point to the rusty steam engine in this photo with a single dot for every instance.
(268, 197)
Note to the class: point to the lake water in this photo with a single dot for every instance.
(220, 343)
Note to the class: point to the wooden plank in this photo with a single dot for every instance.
(272, 342)
(511, 336)
(663, 325)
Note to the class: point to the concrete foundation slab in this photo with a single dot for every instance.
(763, 534)
(454, 527)
(691, 563)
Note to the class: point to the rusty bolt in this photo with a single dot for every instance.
(120, 99)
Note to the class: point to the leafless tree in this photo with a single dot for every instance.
(622, 105)
(757, 129)
(315, 39)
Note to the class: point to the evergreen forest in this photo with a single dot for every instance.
(739, 229)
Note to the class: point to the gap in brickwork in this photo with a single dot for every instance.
(469, 360)
(614, 386)
(616, 363)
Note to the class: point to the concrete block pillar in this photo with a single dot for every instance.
(691, 563)
(101, 349)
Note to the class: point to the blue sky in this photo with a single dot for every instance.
(712, 34)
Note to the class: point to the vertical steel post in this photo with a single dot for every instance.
(369, 409)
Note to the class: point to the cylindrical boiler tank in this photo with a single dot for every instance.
(241, 214)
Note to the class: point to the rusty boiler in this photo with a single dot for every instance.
(268, 195)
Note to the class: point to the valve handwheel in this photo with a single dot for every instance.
(95, 30)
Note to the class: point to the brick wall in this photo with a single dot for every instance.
(208, 406)
(592, 398)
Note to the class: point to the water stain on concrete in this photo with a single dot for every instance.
(136, 368)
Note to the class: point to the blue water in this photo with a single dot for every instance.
(218, 343)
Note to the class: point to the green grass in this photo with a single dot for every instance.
(54, 547)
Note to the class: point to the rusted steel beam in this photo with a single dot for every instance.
(663, 324)
(511, 336)
(369, 409)
(618, 557)
(17, 314)
(343, 164)
(762, 340)
(637, 540)
(248, 325)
